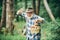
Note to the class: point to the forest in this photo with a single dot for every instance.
(11, 24)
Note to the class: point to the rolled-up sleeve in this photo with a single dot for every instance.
(23, 14)
(40, 18)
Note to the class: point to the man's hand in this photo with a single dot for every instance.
(20, 11)
(37, 21)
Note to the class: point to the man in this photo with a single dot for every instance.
(32, 20)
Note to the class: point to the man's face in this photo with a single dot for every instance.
(29, 14)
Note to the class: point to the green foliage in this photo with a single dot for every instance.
(55, 7)
(49, 31)
(17, 35)
(10, 37)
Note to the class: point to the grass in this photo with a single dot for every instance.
(11, 37)
(48, 32)
(17, 35)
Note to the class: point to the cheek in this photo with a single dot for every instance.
(28, 14)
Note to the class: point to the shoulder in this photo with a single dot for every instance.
(38, 17)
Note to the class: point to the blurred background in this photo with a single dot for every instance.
(11, 25)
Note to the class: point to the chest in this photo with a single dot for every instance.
(31, 21)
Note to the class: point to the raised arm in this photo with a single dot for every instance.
(21, 12)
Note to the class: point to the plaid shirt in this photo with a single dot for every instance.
(30, 22)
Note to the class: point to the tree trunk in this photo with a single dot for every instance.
(9, 15)
(37, 6)
(48, 10)
(3, 19)
(34, 6)
(25, 4)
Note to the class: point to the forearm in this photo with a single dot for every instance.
(20, 11)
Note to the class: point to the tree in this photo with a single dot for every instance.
(0, 8)
(34, 5)
(9, 15)
(3, 18)
(37, 6)
(25, 4)
(48, 10)
(57, 30)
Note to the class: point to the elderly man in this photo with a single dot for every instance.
(32, 23)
